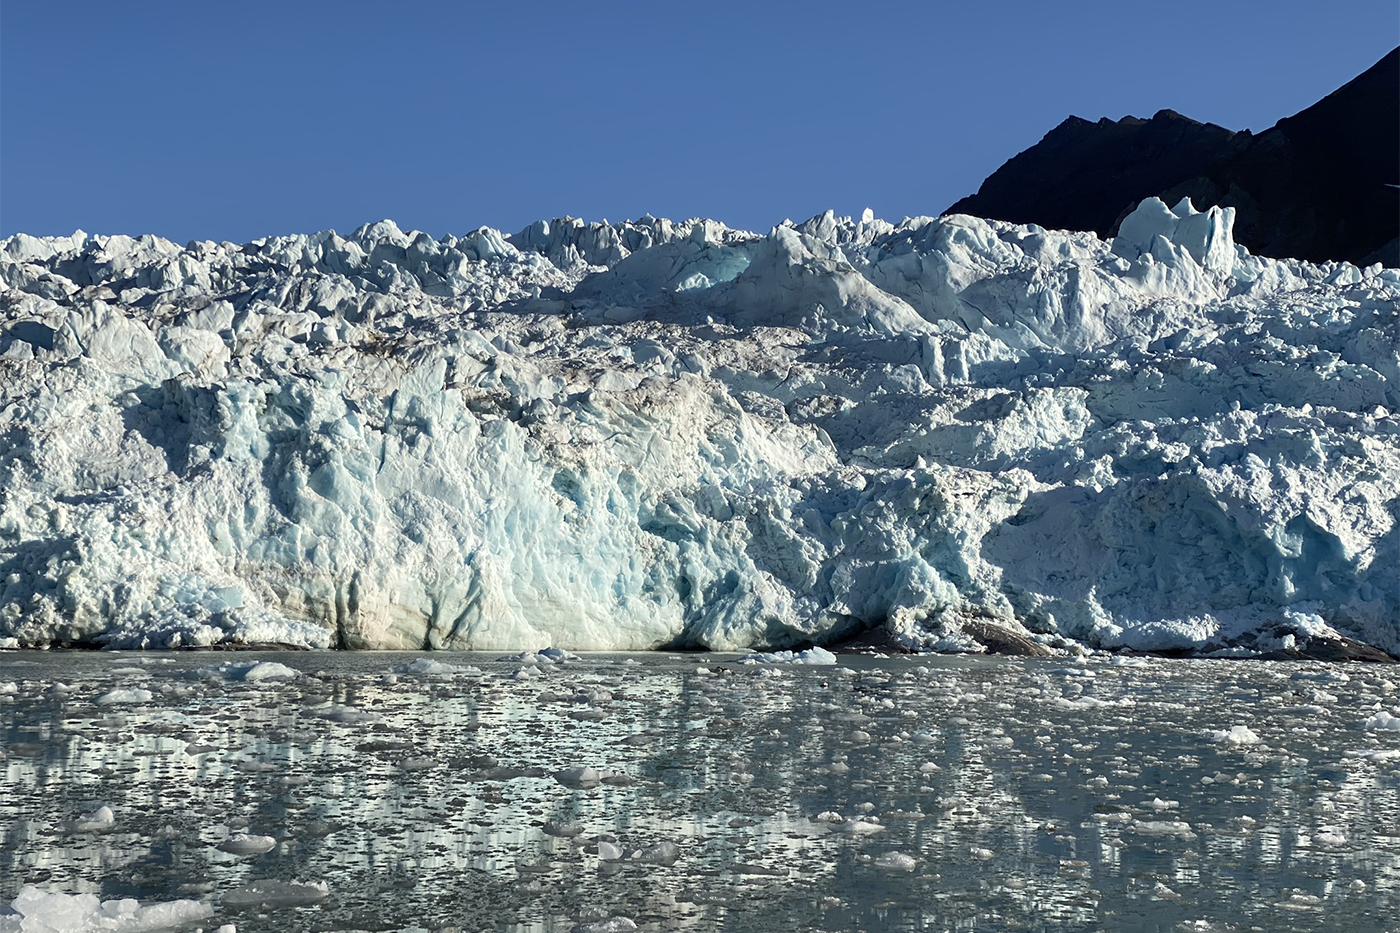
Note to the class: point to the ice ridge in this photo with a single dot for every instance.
(661, 433)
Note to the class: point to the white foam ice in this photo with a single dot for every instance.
(655, 434)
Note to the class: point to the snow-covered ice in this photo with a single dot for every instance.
(965, 432)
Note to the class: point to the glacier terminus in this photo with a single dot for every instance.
(947, 433)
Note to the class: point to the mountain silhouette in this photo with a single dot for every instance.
(1323, 184)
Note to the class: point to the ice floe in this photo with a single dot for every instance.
(39, 911)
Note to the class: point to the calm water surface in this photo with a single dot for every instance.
(882, 794)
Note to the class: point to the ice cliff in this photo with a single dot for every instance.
(954, 431)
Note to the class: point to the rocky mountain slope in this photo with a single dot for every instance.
(953, 433)
(1319, 185)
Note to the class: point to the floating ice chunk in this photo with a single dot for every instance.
(430, 667)
(662, 853)
(101, 820)
(981, 853)
(122, 696)
(260, 671)
(562, 830)
(1383, 721)
(1374, 754)
(250, 672)
(1088, 702)
(275, 893)
(581, 778)
(247, 844)
(609, 852)
(816, 655)
(1177, 828)
(895, 861)
(1235, 735)
(1323, 676)
(1329, 839)
(1159, 804)
(542, 658)
(349, 715)
(610, 925)
(861, 826)
(40, 911)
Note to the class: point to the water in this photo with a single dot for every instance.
(1010, 794)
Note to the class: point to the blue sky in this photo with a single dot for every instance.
(236, 120)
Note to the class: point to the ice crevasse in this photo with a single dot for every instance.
(957, 433)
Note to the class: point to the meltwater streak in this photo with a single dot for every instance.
(677, 792)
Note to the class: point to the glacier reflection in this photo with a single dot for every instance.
(902, 794)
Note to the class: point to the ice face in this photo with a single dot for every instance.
(964, 432)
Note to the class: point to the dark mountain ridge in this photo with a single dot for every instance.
(1319, 185)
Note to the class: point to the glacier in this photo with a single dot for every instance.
(946, 433)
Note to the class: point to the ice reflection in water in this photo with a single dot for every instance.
(899, 794)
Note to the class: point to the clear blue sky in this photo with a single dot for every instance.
(235, 120)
